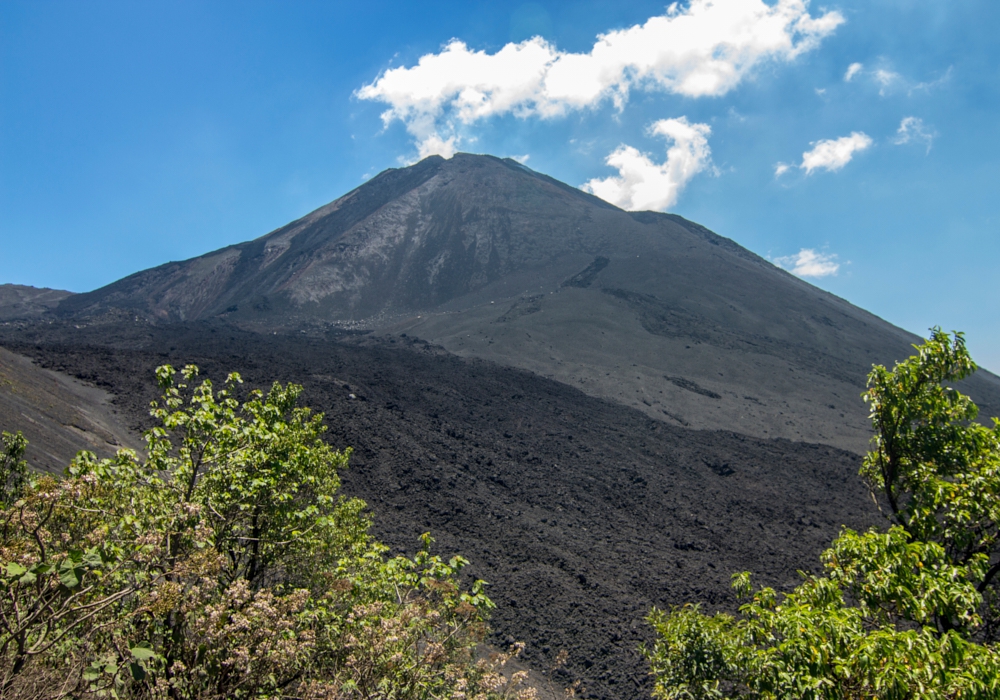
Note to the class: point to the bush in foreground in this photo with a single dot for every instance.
(224, 564)
(907, 613)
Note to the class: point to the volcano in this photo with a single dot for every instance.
(603, 410)
(490, 259)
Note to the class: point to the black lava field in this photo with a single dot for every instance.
(581, 513)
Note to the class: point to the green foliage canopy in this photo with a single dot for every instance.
(224, 564)
(903, 613)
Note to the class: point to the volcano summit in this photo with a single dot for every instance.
(491, 259)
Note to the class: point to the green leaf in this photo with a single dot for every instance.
(93, 559)
(70, 575)
(15, 570)
(137, 671)
(143, 651)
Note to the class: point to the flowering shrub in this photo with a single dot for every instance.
(224, 564)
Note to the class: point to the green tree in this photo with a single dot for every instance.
(903, 613)
(937, 468)
(224, 564)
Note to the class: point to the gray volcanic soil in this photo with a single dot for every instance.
(582, 514)
(58, 415)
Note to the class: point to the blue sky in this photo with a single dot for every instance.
(857, 142)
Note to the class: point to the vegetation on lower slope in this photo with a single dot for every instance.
(911, 612)
(224, 565)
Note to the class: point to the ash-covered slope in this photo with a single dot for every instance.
(437, 235)
(493, 260)
(20, 302)
(406, 241)
(59, 415)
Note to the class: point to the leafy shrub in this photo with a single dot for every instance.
(224, 564)
(907, 613)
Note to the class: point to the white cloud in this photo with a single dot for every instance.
(705, 49)
(781, 168)
(521, 159)
(432, 144)
(889, 81)
(809, 263)
(642, 184)
(834, 154)
(913, 129)
(886, 79)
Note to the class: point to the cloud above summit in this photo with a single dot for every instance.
(641, 183)
(703, 50)
(809, 262)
